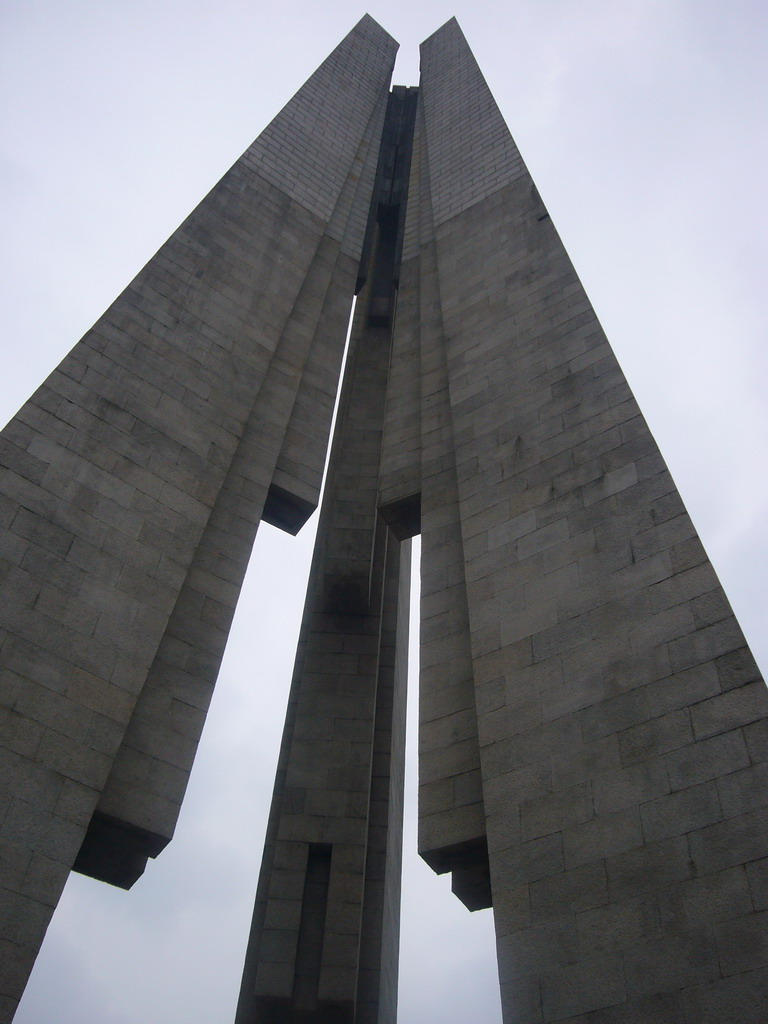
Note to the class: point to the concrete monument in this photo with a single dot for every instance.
(593, 728)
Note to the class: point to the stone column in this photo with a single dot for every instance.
(134, 480)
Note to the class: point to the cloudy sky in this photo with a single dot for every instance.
(643, 124)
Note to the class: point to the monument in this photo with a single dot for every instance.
(592, 725)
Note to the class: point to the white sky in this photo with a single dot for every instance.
(643, 124)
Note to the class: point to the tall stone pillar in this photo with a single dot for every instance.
(136, 476)
(324, 940)
(593, 726)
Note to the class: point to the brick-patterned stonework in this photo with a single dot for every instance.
(593, 729)
(597, 718)
(134, 481)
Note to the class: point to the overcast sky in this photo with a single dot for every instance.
(643, 124)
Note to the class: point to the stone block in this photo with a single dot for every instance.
(680, 962)
(651, 867)
(630, 787)
(707, 759)
(619, 926)
(727, 711)
(571, 891)
(604, 836)
(681, 812)
(554, 812)
(591, 984)
(527, 862)
(741, 998)
(737, 840)
(699, 902)
(742, 944)
(683, 689)
(736, 668)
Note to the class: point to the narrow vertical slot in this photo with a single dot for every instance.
(309, 950)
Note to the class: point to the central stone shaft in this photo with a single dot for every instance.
(324, 941)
